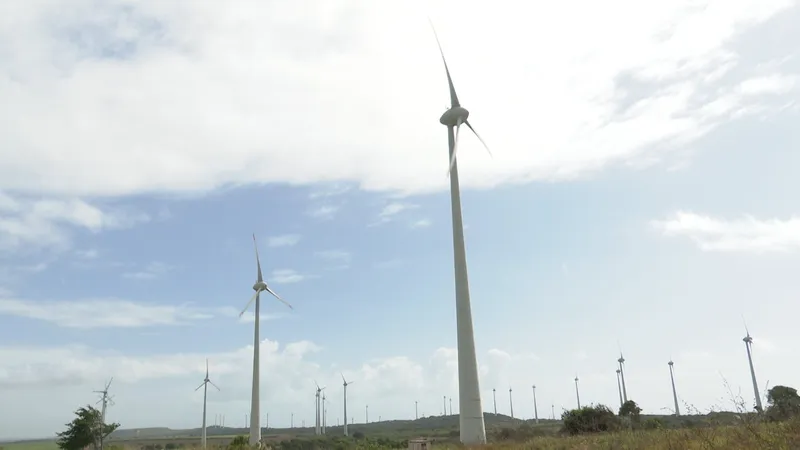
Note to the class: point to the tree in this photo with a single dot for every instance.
(86, 429)
(590, 419)
(783, 403)
(630, 409)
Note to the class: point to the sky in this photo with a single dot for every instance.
(639, 199)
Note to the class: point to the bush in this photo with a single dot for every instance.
(239, 442)
(653, 423)
(590, 419)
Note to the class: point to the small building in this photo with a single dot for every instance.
(419, 444)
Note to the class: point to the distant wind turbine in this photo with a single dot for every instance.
(494, 397)
(255, 407)
(577, 392)
(619, 388)
(621, 362)
(511, 402)
(345, 383)
(318, 423)
(105, 401)
(674, 392)
(471, 424)
(535, 409)
(204, 385)
(748, 343)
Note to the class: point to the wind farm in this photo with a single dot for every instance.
(316, 141)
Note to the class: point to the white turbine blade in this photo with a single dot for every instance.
(206, 367)
(212, 383)
(201, 385)
(453, 97)
(279, 297)
(258, 261)
(248, 304)
(479, 138)
(455, 148)
(343, 380)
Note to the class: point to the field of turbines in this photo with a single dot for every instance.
(586, 426)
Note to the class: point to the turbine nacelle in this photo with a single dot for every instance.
(454, 116)
(748, 339)
(260, 286)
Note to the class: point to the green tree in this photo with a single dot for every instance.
(590, 419)
(86, 429)
(630, 409)
(783, 403)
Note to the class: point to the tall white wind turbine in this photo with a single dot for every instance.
(255, 410)
(494, 398)
(748, 342)
(535, 408)
(318, 421)
(511, 402)
(577, 393)
(471, 424)
(204, 385)
(345, 383)
(619, 388)
(105, 401)
(674, 392)
(621, 362)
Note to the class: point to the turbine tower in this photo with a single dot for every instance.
(494, 397)
(674, 392)
(204, 385)
(105, 400)
(577, 392)
(621, 362)
(255, 410)
(535, 409)
(619, 388)
(345, 384)
(471, 425)
(748, 343)
(324, 412)
(511, 402)
(318, 423)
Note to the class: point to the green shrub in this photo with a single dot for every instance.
(590, 419)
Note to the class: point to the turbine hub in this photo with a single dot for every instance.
(260, 286)
(451, 116)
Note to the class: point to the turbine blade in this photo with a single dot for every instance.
(212, 383)
(201, 385)
(248, 304)
(258, 261)
(455, 148)
(479, 138)
(453, 97)
(343, 380)
(279, 297)
(206, 367)
(109, 383)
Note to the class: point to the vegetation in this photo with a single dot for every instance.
(87, 429)
(590, 427)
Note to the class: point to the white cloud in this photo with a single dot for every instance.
(746, 234)
(48, 223)
(107, 313)
(286, 276)
(338, 259)
(153, 270)
(421, 223)
(88, 253)
(391, 210)
(323, 212)
(284, 240)
(58, 86)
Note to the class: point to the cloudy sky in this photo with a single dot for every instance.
(641, 196)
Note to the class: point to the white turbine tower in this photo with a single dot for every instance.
(345, 384)
(105, 401)
(204, 385)
(511, 402)
(471, 425)
(748, 342)
(255, 410)
(535, 409)
(577, 393)
(674, 392)
(619, 388)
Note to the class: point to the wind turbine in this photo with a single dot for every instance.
(106, 400)
(324, 413)
(674, 392)
(577, 392)
(255, 410)
(204, 385)
(317, 429)
(621, 362)
(748, 343)
(511, 402)
(345, 384)
(619, 388)
(471, 424)
(535, 409)
(494, 398)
